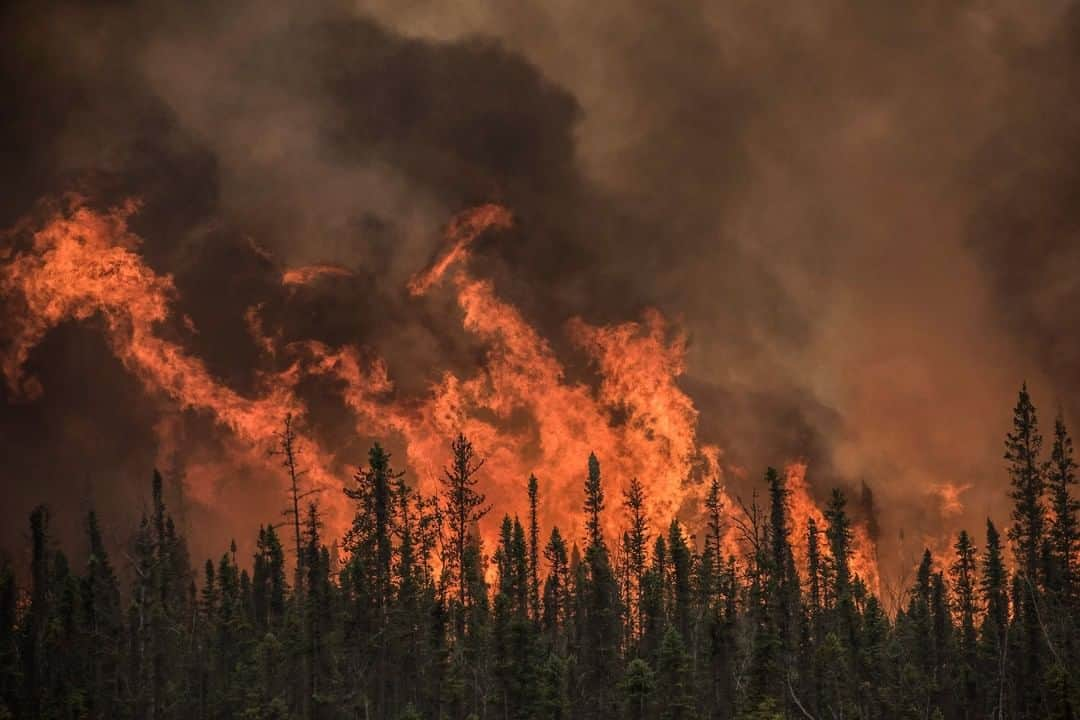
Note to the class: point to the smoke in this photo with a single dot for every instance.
(859, 216)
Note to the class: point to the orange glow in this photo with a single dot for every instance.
(520, 410)
(310, 273)
(461, 232)
(950, 493)
(803, 508)
(84, 263)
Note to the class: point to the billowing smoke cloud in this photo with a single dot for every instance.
(862, 215)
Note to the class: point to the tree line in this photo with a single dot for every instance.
(405, 621)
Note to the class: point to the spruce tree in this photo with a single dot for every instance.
(993, 633)
(534, 551)
(636, 552)
(599, 624)
(104, 625)
(594, 504)
(674, 696)
(464, 508)
(1022, 450)
(556, 586)
(680, 591)
(638, 685)
(963, 574)
(370, 543)
(783, 582)
(1064, 535)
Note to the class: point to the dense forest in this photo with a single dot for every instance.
(414, 618)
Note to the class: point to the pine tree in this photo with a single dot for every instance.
(471, 650)
(317, 607)
(638, 685)
(370, 544)
(783, 582)
(674, 697)
(373, 524)
(269, 587)
(286, 446)
(594, 504)
(963, 574)
(1022, 448)
(513, 632)
(534, 550)
(1064, 535)
(654, 617)
(599, 624)
(813, 569)
(714, 536)
(839, 535)
(556, 586)
(668, 633)
(993, 645)
(464, 508)
(941, 658)
(411, 656)
(636, 551)
(840, 623)
(103, 622)
(679, 580)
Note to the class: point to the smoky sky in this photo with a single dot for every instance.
(865, 215)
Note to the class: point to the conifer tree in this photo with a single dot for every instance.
(783, 582)
(993, 633)
(594, 504)
(599, 623)
(714, 534)
(317, 610)
(1022, 451)
(286, 446)
(654, 610)
(103, 619)
(813, 569)
(941, 658)
(534, 551)
(370, 543)
(638, 685)
(1022, 447)
(556, 586)
(1064, 535)
(651, 634)
(464, 508)
(963, 575)
(680, 593)
(674, 697)
(636, 552)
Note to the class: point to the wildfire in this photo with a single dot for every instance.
(519, 408)
(83, 263)
(803, 509)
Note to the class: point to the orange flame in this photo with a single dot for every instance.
(461, 232)
(83, 263)
(519, 409)
(310, 273)
(803, 509)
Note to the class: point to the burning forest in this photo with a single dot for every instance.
(412, 360)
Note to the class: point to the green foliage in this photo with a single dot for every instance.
(404, 625)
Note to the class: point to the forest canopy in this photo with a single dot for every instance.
(410, 615)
